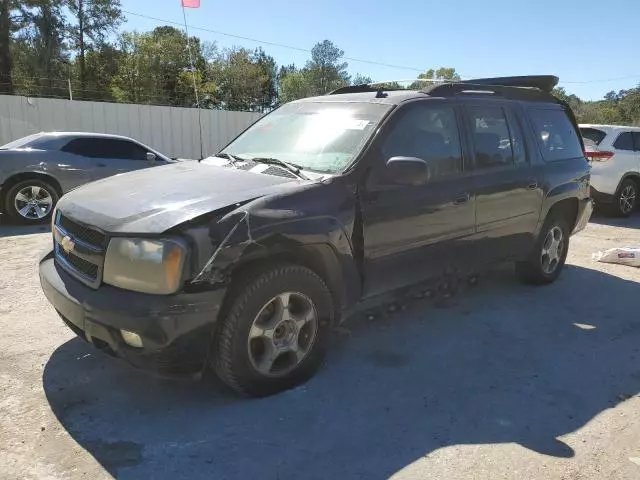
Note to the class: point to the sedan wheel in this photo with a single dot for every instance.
(33, 202)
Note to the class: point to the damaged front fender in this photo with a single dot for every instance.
(306, 234)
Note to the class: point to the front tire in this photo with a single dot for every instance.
(31, 201)
(274, 335)
(549, 253)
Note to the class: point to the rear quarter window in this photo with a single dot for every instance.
(556, 135)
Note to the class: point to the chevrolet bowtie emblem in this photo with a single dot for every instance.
(67, 244)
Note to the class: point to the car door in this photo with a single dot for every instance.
(119, 156)
(411, 232)
(636, 143)
(626, 153)
(508, 181)
(79, 159)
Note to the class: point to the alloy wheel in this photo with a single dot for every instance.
(627, 199)
(33, 202)
(282, 334)
(552, 250)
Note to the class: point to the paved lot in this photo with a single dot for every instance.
(506, 381)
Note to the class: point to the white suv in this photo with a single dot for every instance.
(614, 153)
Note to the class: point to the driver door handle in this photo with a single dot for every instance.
(532, 185)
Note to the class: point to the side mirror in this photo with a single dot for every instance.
(409, 170)
(151, 158)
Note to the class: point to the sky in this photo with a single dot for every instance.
(592, 46)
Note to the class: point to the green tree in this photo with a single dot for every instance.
(92, 21)
(240, 80)
(325, 71)
(442, 74)
(359, 79)
(295, 85)
(40, 58)
(269, 74)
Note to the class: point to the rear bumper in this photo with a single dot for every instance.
(585, 210)
(176, 330)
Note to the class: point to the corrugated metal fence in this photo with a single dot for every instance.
(171, 130)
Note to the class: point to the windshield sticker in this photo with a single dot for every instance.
(355, 124)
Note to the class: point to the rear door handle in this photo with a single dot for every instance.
(102, 164)
(532, 186)
(462, 198)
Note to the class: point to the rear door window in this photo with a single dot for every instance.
(636, 141)
(624, 142)
(556, 135)
(123, 150)
(592, 136)
(497, 136)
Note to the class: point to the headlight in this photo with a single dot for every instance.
(148, 266)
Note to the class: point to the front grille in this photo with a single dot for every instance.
(84, 234)
(85, 250)
(86, 268)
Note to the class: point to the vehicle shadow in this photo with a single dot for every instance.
(12, 229)
(631, 222)
(501, 363)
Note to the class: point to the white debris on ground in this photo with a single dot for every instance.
(624, 256)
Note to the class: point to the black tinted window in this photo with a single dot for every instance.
(123, 149)
(624, 141)
(427, 132)
(86, 147)
(592, 135)
(106, 148)
(491, 138)
(556, 135)
(636, 141)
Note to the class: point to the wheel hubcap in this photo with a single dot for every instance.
(282, 334)
(627, 199)
(552, 250)
(33, 202)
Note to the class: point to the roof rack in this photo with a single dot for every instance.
(498, 85)
(546, 83)
(537, 87)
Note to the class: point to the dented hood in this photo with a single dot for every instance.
(156, 199)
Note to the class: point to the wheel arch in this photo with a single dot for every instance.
(635, 176)
(339, 274)
(568, 209)
(22, 176)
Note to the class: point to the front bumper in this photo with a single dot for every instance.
(176, 330)
(585, 210)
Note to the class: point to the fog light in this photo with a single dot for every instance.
(131, 339)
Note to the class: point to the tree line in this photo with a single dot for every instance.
(63, 48)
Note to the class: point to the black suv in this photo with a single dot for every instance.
(243, 261)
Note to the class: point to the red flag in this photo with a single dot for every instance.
(191, 3)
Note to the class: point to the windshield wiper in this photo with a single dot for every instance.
(292, 167)
(232, 158)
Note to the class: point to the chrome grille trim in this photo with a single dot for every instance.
(85, 252)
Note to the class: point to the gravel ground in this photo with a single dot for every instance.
(505, 381)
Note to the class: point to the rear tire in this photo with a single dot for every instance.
(625, 200)
(547, 259)
(263, 347)
(31, 201)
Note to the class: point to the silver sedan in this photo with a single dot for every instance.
(35, 171)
